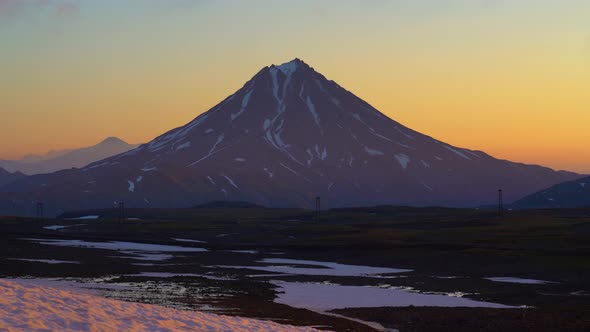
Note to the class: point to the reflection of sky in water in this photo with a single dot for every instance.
(323, 268)
(329, 296)
(140, 251)
(519, 280)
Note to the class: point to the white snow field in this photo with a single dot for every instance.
(28, 307)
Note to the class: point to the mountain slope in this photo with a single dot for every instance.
(55, 161)
(8, 177)
(287, 136)
(571, 194)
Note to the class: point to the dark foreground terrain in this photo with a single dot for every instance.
(449, 251)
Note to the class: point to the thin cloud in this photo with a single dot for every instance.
(17, 8)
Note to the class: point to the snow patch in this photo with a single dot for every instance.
(330, 186)
(131, 187)
(85, 218)
(96, 166)
(231, 181)
(60, 227)
(403, 160)
(26, 306)
(311, 108)
(373, 152)
(183, 146)
(292, 171)
(245, 102)
(288, 68)
(268, 172)
(212, 151)
(310, 154)
(457, 152)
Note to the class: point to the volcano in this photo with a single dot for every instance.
(287, 136)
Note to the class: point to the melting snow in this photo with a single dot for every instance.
(209, 131)
(583, 184)
(149, 169)
(25, 306)
(210, 180)
(240, 160)
(403, 160)
(425, 164)
(139, 178)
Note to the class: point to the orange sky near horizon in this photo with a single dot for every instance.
(502, 78)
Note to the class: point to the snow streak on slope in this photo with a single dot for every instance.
(27, 307)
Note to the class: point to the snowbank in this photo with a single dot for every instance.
(28, 307)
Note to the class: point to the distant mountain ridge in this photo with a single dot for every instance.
(284, 138)
(571, 194)
(65, 159)
(8, 177)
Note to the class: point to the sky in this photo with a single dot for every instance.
(511, 78)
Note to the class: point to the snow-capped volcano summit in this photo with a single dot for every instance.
(287, 136)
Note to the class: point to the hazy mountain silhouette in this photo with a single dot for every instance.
(8, 177)
(287, 136)
(64, 159)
